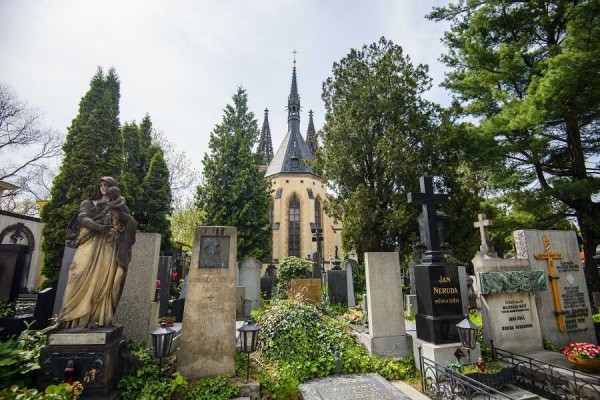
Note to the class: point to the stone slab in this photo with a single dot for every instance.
(337, 287)
(68, 255)
(512, 281)
(349, 265)
(389, 346)
(85, 336)
(249, 277)
(307, 289)
(571, 284)
(137, 310)
(442, 354)
(164, 276)
(346, 387)
(207, 344)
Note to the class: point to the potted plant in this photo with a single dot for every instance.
(584, 356)
(492, 374)
(167, 320)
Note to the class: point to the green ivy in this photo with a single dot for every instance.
(19, 358)
(291, 268)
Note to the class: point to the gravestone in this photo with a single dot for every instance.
(315, 260)
(564, 309)
(337, 287)
(33, 310)
(308, 290)
(266, 287)
(249, 277)
(348, 387)
(349, 265)
(14, 270)
(138, 309)
(240, 301)
(439, 301)
(164, 276)
(387, 333)
(272, 273)
(507, 289)
(67, 259)
(207, 344)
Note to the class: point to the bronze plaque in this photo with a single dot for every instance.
(214, 252)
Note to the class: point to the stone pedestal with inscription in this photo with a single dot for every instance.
(98, 350)
(366, 387)
(207, 344)
(564, 309)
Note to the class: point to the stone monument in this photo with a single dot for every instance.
(207, 344)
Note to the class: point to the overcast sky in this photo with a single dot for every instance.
(181, 61)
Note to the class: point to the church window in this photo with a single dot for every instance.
(294, 227)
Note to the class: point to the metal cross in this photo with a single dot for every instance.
(482, 224)
(295, 52)
(430, 201)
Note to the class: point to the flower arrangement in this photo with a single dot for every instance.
(582, 351)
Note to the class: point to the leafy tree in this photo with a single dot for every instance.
(379, 136)
(93, 148)
(131, 179)
(234, 192)
(529, 72)
(156, 199)
(25, 146)
(184, 221)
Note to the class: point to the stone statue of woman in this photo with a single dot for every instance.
(97, 273)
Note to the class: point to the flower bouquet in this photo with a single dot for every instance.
(585, 356)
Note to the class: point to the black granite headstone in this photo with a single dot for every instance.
(14, 270)
(43, 308)
(266, 287)
(337, 287)
(178, 307)
(439, 302)
(164, 276)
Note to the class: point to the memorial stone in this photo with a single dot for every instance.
(164, 276)
(315, 260)
(308, 290)
(387, 333)
(14, 268)
(347, 387)
(564, 309)
(337, 287)
(349, 265)
(240, 302)
(138, 309)
(266, 287)
(249, 277)
(207, 344)
(67, 259)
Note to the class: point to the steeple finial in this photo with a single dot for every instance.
(311, 139)
(265, 144)
(294, 98)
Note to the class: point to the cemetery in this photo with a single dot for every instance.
(409, 248)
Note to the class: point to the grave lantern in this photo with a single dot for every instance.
(248, 340)
(162, 338)
(467, 331)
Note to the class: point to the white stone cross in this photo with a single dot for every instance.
(482, 224)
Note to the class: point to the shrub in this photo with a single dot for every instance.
(291, 268)
(19, 358)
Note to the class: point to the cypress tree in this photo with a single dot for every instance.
(93, 148)
(156, 201)
(130, 180)
(234, 192)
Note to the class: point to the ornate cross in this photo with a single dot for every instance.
(482, 224)
(430, 201)
(551, 256)
(295, 52)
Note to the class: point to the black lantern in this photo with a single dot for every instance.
(248, 340)
(162, 338)
(467, 331)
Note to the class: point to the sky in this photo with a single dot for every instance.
(181, 61)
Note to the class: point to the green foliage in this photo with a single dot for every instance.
(299, 342)
(291, 268)
(7, 309)
(548, 345)
(63, 391)
(596, 318)
(380, 135)
(235, 192)
(528, 72)
(19, 358)
(217, 388)
(93, 148)
(359, 279)
(184, 221)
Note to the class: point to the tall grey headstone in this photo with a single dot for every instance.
(137, 310)
(348, 266)
(207, 344)
(556, 254)
(387, 333)
(249, 277)
(164, 276)
(67, 259)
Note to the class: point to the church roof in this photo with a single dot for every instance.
(265, 145)
(293, 151)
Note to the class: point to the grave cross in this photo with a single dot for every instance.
(482, 224)
(553, 277)
(430, 201)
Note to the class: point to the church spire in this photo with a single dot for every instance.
(294, 97)
(311, 139)
(265, 144)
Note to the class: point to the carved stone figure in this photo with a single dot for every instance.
(103, 232)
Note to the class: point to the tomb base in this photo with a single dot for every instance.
(442, 354)
(387, 346)
(438, 330)
(89, 349)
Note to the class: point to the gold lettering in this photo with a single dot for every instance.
(444, 279)
(444, 290)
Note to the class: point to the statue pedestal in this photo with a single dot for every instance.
(90, 349)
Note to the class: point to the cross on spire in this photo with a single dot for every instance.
(482, 223)
(295, 52)
(430, 201)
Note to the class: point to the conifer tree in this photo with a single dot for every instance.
(155, 200)
(234, 192)
(130, 180)
(93, 148)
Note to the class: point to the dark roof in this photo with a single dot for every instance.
(265, 144)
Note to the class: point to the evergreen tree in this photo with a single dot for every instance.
(93, 149)
(130, 181)
(234, 192)
(156, 201)
(528, 71)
